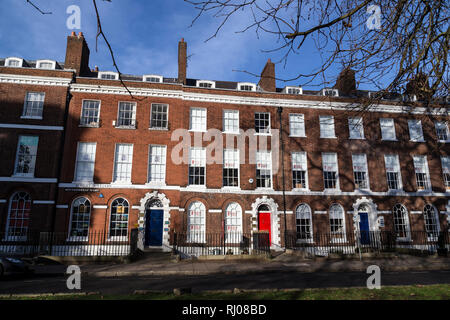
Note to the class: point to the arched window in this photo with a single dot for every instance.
(263, 208)
(154, 203)
(303, 222)
(196, 222)
(431, 218)
(233, 222)
(118, 225)
(337, 222)
(401, 221)
(80, 218)
(18, 216)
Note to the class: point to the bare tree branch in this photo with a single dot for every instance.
(37, 8)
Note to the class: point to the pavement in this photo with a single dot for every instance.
(282, 263)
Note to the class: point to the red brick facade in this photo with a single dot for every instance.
(176, 193)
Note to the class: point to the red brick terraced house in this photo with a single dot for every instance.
(192, 158)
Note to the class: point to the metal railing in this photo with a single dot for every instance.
(206, 244)
(93, 243)
(322, 244)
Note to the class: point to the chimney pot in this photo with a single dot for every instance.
(267, 80)
(80, 34)
(73, 34)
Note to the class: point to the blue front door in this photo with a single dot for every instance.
(364, 227)
(153, 227)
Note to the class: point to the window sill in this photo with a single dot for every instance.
(31, 117)
(353, 138)
(126, 127)
(121, 182)
(159, 129)
(262, 134)
(156, 184)
(192, 130)
(301, 241)
(444, 141)
(230, 132)
(231, 188)
(417, 140)
(196, 187)
(424, 190)
(264, 189)
(328, 137)
(85, 183)
(291, 136)
(77, 239)
(89, 125)
(389, 140)
(18, 175)
(300, 190)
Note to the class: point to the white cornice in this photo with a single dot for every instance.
(243, 100)
(34, 80)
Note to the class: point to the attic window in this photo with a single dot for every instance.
(153, 78)
(46, 64)
(409, 98)
(246, 86)
(205, 84)
(14, 62)
(108, 75)
(293, 90)
(330, 92)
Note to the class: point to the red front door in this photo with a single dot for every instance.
(264, 223)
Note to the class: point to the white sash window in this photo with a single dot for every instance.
(360, 171)
(299, 170)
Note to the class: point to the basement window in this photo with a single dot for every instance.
(108, 75)
(153, 78)
(14, 62)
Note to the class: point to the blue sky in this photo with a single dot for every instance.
(144, 35)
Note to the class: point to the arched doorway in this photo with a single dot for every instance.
(154, 216)
(264, 216)
(364, 224)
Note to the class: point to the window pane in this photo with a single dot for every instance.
(159, 116)
(297, 125)
(34, 104)
(26, 155)
(123, 162)
(157, 164)
(326, 126)
(127, 114)
(356, 129)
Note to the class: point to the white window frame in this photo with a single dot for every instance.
(95, 124)
(149, 169)
(338, 239)
(407, 223)
(20, 60)
(34, 158)
(337, 188)
(25, 106)
(202, 164)
(39, 62)
(269, 156)
(300, 216)
(270, 124)
(132, 126)
(212, 83)
(155, 76)
(306, 187)
(358, 128)
(236, 151)
(115, 179)
(399, 172)
(115, 74)
(167, 116)
(75, 179)
(23, 228)
(366, 171)
(198, 236)
(79, 238)
(225, 130)
(445, 164)
(204, 125)
(250, 84)
(235, 235)
(431, 235)
(121, 237)
(334, 92)
(298, 90)
(322, 129)
(383, 122)
(443, 123)
(301, 128)
(415, 124)
(427, 172)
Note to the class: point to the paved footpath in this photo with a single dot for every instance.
(283, 263)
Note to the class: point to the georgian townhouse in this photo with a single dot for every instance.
(200, 157)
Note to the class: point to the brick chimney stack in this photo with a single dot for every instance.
(182, 61)
(346, 83)
(77, 54)
(267, 81)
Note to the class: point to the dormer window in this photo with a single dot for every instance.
(246, 86)
(153, 78)
(330, 92)
(293, 90)
(409, 98)
(46, 64)
(14, 62)
(205, 84)
(108, 75)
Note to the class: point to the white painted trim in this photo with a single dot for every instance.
(145, 76)
(287, 212)
(257, 101)
(25, 179)
(16, 59)
(320, 212)
(258, 191)
(3, 201)
(215, 210)
(31, 127)
(384, 212)
(62, 206)
(43, 202)
(38, 64)
(100, 206)
(415, 212)
(212, 83)
(251, 84)
(100, 73)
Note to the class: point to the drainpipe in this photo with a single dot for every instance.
(280, 111)
(59, 163)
